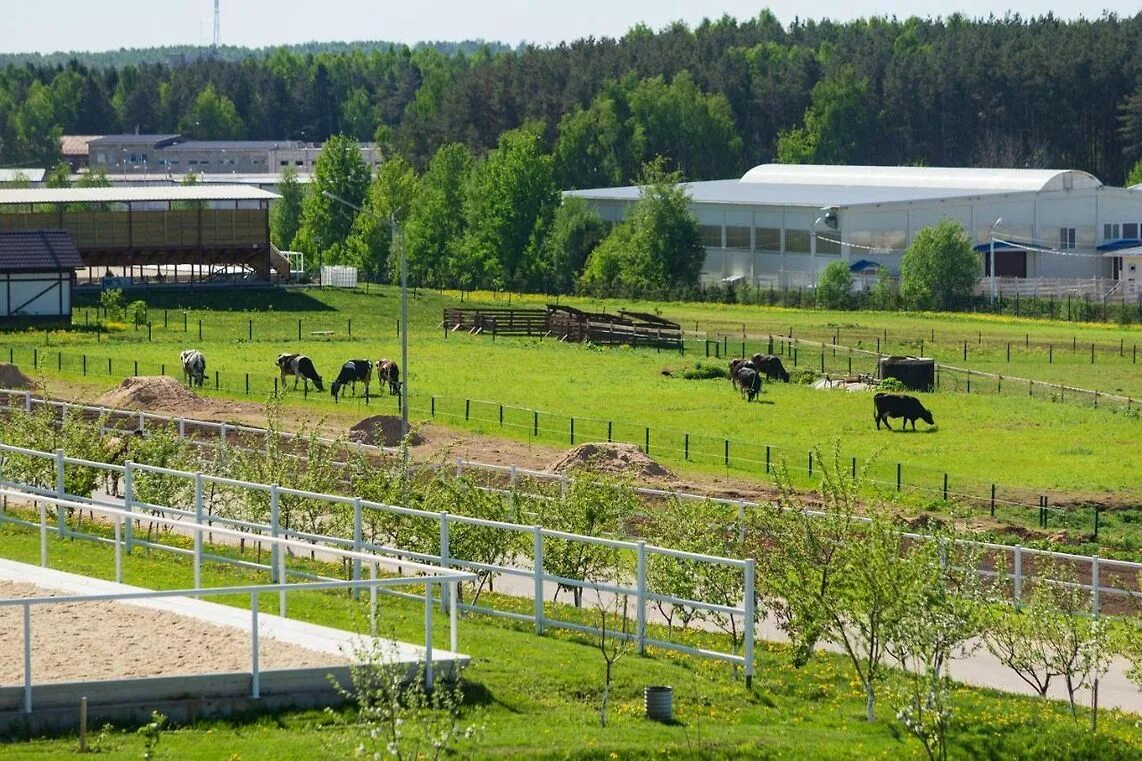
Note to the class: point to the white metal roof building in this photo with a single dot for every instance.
(782, 224)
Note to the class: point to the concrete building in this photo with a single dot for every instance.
(162, 155)
(782, 224)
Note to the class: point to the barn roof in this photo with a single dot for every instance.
(967, 179)
(135, 194)
(38, 251)
(28, 175)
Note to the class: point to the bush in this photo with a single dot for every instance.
(891, 385)
(705, 371)
(803, 375)
(137, 313)
(835, 286)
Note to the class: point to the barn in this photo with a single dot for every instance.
(781, 224)
(37, 273)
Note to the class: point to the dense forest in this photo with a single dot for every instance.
(714, 99)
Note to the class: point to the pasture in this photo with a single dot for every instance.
(542, 703)
(529, 388)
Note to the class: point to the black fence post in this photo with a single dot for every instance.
(467, 408)
(1097, 513)
(136, 373)
(945, 487)
(572, 423)
(1050, 353)
(1009, 352)
(965, 351)
(148, 331)
(109, 372)
(85, 364)
(647, 449)
(726, 453)
(898, 478)
(432, 406)
(200, 330)
(609, 423)
(247, 384)
(572, 431)
(249, 330)
(299, 329)
(810, 463)
(767, 458)
(685, 446)
(216, 380)
(163, 369)
(535, 423)
(1092, 352)
(184, 321)
(993, 500)
(854, 467)
(349, 328)
(164, 318)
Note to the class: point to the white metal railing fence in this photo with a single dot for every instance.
(1126, 573)
(427, 575)
(516, 564)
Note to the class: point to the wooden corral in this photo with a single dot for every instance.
(570, 324)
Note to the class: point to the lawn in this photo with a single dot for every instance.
(537, 697)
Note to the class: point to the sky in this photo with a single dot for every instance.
(93, 25)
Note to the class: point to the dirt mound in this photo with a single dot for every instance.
(153, 393)
(11, 377)
(618, 459)
(381, 430)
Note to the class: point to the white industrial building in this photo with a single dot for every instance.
(781, 224)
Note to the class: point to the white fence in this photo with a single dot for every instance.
(121, 519)
(513, 564)
(1117, 578)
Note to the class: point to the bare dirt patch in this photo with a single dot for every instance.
(117, 640)
(164, 394)
(611, 458)
(12, 377)
(382, 430)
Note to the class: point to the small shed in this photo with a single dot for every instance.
(37, 273)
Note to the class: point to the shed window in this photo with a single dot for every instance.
(767, 238)
(737, 237)
(711, 235)
(797, 240)
(1066, 238)
(1109, 231)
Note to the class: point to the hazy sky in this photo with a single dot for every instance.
(51, 25)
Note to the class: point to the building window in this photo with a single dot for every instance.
(1129, 229)
(1066, 238)
(299, 163)
(737, 237)
(284, 163)
(711, 235)
(767, 238)
(797, 241)
(1110, 231)
(829, 243)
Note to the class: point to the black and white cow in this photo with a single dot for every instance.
(299, 366)
(193, 366)
(388, 372)
(353, 372)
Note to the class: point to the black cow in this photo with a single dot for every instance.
(770, 365)
(388, 372)
(738, 364)
(352, 372)
(749, 381)
(299, 366)
(899, 405)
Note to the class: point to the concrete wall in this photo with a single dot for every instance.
(35, 294)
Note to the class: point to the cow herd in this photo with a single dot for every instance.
(301, 368)
(748, 375)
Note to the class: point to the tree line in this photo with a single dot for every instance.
(714, 99)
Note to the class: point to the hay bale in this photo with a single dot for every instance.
(381, 430)
(610, 458)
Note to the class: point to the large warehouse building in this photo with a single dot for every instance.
(781, 224)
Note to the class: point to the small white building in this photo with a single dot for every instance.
(781, 224)
(37, 274)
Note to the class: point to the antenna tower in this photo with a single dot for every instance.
(217, 26)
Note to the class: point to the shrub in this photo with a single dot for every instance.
(705, 371)
(835, 286)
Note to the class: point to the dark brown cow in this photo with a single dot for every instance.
(388, 372)
(738, 364)
(770, 366)
(749, 381)
(899, 405)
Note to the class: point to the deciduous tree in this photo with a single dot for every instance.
(939, 268)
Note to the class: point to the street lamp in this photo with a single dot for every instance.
(991, 256)
(403, 311)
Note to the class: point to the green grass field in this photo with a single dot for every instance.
(1029, 444)
(537, 697)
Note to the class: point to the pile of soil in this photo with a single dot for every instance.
(381, 430)
(617, 459)
(153, 393)
(11, 377)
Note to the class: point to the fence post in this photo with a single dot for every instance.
(197, 532)
(1018, 577)
(640, 570)
(467, 408)
(299, 329)
(535, 423)
(647, 440)
(726, 453)
(767, 458)
(255, 683)
(537, 571)
(1094, 585)
(993, 500)
(61, 513)
(358, 541)
(275, 531)
(200, 330)
(749, 604)
(444, 559)
(685, 446)
(128, 500)
(1097, 513)
(898, 469)
(810, 462)
(572, 431)
(945, 487)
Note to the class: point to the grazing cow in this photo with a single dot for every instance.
(899, 405)
(351, 372)
(388, 372)
(299, 366)
(116, 451)
(193, 366)
(770, 366)
(749, 381)
(737, 364)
